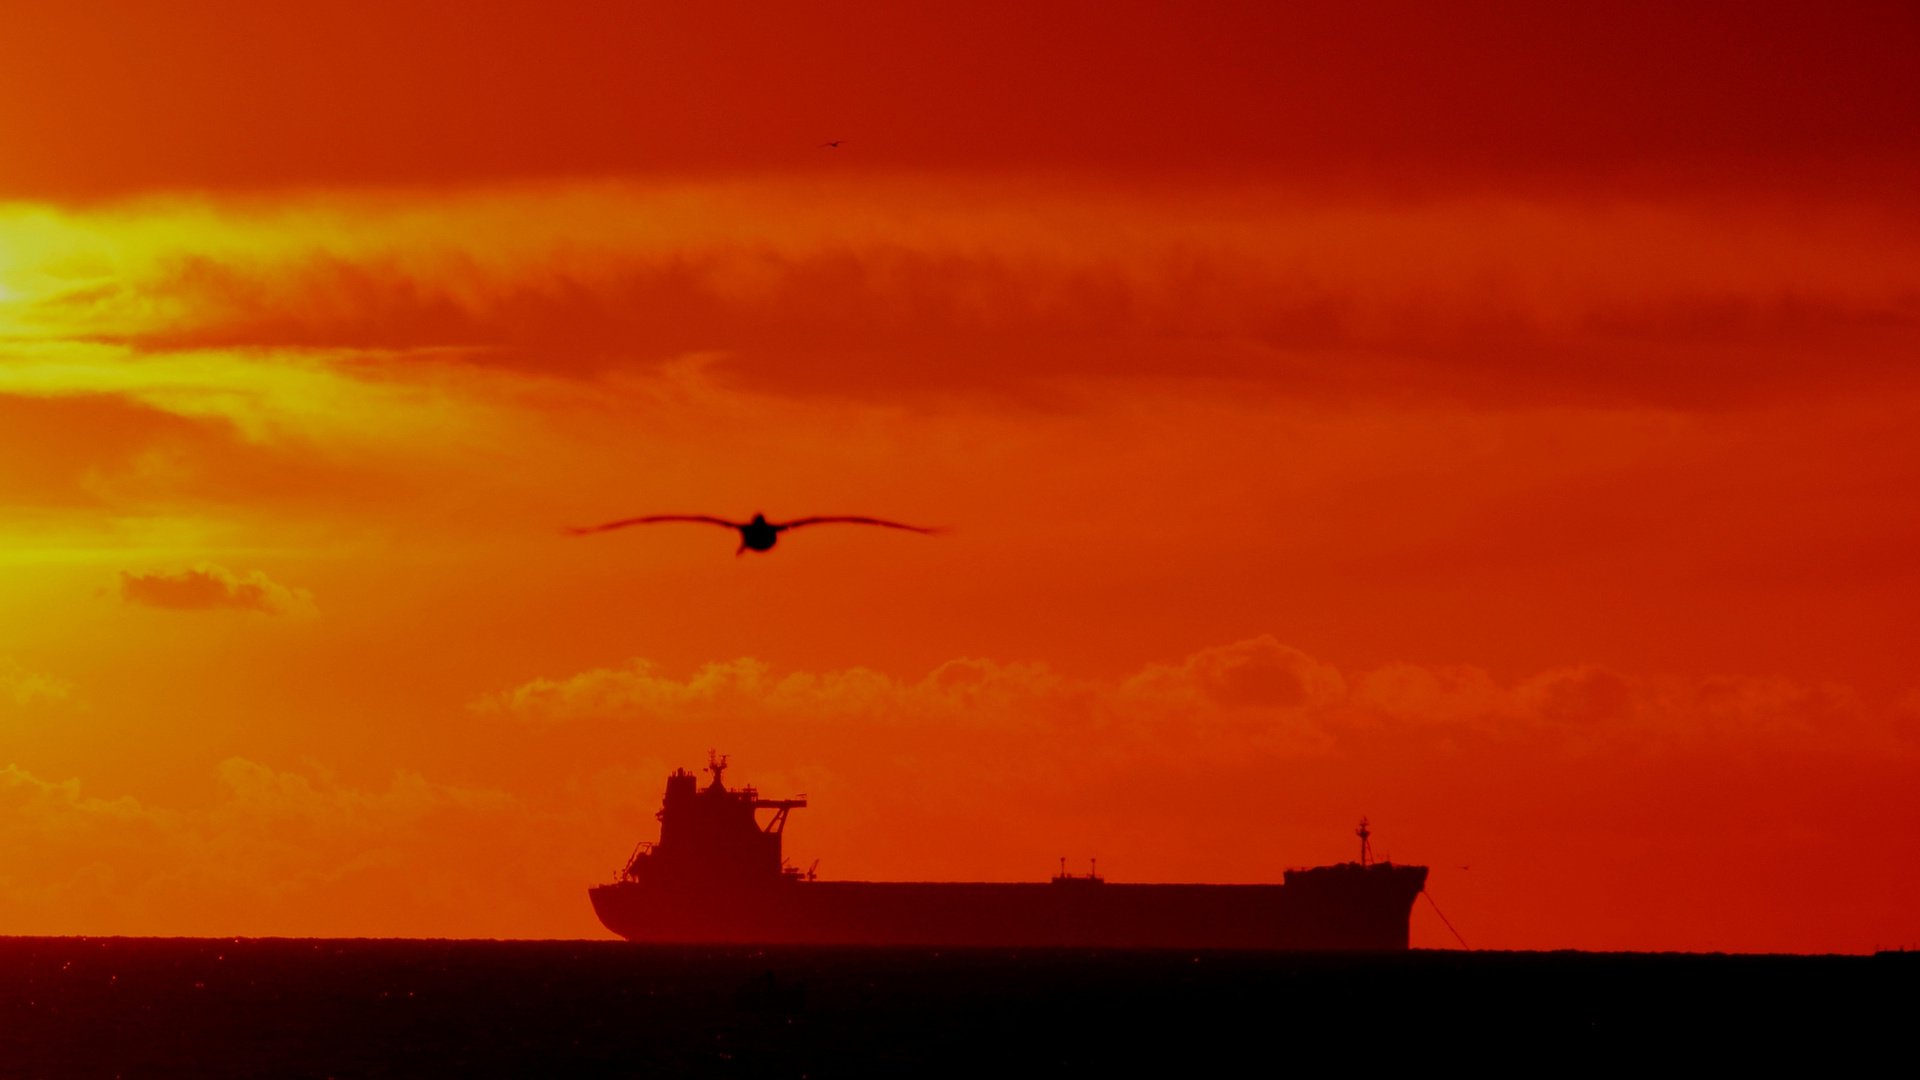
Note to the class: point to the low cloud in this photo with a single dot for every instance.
(214, 588)
(1584, 797)
(272, 848)
(959, 691)
(1225, 765)
(1254, 694)
(22, 687)
(1260, 673)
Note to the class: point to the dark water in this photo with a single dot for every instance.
(135, 1007)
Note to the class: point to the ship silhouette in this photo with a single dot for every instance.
(717, 875)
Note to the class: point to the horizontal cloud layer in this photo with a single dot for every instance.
(1260, 690)
(270, 840)
(1227, 765)
(213, 588)
(916, 286)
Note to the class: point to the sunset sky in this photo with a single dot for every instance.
(1502, 421)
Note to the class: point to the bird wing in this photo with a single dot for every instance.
(853, 521)
(624, 522)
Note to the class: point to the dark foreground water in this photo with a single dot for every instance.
(139, 1007)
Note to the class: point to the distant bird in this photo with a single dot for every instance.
(756, 535)
(834, 145)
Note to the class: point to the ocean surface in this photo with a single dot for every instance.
(346, 1008)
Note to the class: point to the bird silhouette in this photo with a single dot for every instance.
(756, 535)
(834, 145)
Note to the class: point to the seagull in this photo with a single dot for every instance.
(756, 535)
(834, 145)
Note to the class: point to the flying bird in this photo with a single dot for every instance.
(756, 535)
(834, 145)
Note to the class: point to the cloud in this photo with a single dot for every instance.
(1260, 673)
(309, 396)
(78, 454)
(1223, 765)
(271, 849)
(213, 588)
(902, 286)
(961, 691)
(1257, 694)
(61, 801)
(23, 687)
(1578, 781)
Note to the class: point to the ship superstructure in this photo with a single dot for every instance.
(712, 835)
(717, 875)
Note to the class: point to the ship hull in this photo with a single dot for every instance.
(1350, 907)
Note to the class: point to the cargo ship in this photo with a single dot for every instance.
(717, 875)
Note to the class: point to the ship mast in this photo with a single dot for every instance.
(1366, 843)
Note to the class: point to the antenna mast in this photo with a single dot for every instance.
(1366, 843)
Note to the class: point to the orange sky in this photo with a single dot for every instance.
(1498, 422)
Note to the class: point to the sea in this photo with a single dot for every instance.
(133, 1007)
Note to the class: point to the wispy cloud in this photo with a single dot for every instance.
(934, 286)
(209, 587)
(23, 687)
(270, 840)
